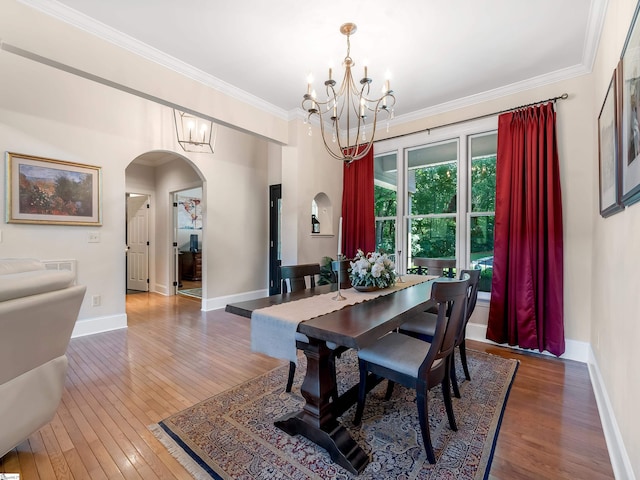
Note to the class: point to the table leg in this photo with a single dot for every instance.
(318, 421)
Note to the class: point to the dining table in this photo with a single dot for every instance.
(352, 326)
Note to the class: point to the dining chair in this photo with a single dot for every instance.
(435, 266)
(418, 364)
(423, 326)
(294, 279)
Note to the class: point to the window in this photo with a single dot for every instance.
(443, 203)
(483, 204)
(431, 193)
(386, 201)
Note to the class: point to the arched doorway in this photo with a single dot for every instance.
(159, 175)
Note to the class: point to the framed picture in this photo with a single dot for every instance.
(608, 152)
(52, 192)
(630, 106)
(189, 213)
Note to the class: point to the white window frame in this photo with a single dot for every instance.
(402, 145)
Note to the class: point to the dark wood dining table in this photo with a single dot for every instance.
(353, 326)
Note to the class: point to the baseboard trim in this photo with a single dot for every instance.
(221, 302)
(99, 325)
(162, 290)
(620, 461)
(582, 352)
(574, 349)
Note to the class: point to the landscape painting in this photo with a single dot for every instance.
(46, 191)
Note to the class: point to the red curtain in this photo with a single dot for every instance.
(527, 291)
(358, 216)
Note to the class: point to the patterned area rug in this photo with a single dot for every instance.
(232, 436)
(191, 292)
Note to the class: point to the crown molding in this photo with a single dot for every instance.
(518, 87)
(81, 21)
(595, 24)
(72, 17)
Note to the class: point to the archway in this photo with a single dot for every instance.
(158, 175)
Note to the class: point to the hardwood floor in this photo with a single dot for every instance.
(173, 356)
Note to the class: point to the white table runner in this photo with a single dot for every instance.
(273, 329)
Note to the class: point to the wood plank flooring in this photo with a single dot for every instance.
(173, 356)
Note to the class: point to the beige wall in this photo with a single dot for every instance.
(28, 29)
(315, 172)
(615, 299)
(50, 113)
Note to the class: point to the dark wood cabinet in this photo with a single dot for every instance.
(191, 263)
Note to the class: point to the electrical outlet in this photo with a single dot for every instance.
(96, 300)
(93, 237)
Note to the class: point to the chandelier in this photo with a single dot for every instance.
(194, 133)
(346, 109)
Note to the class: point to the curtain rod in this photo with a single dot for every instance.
(564, 96)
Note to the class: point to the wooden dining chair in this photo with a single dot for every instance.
(417, 364)
(294, 279)
(435, 266)
(423, 326)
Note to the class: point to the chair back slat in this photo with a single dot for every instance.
(474, 283)
(451, 298)
(294, 276)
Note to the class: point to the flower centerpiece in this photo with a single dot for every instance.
(372, 271)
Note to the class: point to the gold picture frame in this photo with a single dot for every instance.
(52, 192)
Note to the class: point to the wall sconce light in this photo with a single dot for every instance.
(195, 134)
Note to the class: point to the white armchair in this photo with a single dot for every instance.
(38, 310)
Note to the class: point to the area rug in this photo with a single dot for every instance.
(232, 436)
(191, 292)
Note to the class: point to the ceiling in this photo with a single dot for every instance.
(439, 54)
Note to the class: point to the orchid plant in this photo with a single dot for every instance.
(372, 270)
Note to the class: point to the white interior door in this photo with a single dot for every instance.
(138, 243)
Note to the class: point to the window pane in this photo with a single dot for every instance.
(386, 236)
(483, 173)
(385, 174)
(433, 237)
(433, 179)
(482, 249)
(386, 202)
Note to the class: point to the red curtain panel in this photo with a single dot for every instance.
(527, 291)
(358, 216)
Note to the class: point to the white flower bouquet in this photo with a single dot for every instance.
(373, 270)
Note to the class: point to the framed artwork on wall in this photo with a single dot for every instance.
(630, 109)
(52, 192)
(189, 213)
(608, 152)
